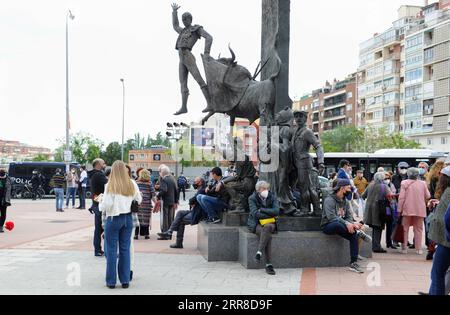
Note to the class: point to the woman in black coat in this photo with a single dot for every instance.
(5, 197)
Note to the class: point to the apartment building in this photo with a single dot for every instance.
(381, 74)
(15, 151)
(427, 78)
(332, 106)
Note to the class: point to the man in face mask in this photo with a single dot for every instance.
(5, 196)
(402, 169)
(337, 219)
(423, 170)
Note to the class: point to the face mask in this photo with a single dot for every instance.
(265, 194)
(387, 181)
(2, 174)
(422, 171)
(195, 186)
(347, 194)
(403, 172)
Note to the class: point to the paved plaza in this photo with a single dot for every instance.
(51, 253)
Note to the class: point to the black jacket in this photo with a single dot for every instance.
(168, 191)
(260, 212)
(397, 181)
(98, 181)
(197, 211)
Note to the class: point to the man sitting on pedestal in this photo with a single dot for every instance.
(184, 217)
(217, 197)
(337, 219)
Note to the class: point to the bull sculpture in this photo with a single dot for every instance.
(235, 92)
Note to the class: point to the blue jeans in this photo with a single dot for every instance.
(71, 192)
(441, 263)
(211, 205)
(118, 232)
(59, 193)
(339, 228)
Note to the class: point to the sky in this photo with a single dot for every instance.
(134, 40)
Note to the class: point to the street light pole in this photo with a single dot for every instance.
(123, 118)
(68, 16)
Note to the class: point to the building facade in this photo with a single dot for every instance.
(151, 159)
(427, 79)
(332, 106)
(381, 74)
(14, 151)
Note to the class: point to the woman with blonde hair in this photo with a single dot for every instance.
(120, 192)
(145, 208)
(433, 177)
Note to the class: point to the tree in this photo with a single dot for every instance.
(112, 153)
(40, 158)
(85, 148)
(342, 139)
(352, 139)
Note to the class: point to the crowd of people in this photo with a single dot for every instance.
(417, 197)
(123, 204)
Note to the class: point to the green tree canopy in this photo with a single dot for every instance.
(352, 139)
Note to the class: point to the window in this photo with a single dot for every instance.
(389, 82)
(413, 93)
(350, 120)
(428, 55)
(427, 124)
(429, 141)
(389, 112)
(131, 157)
(444, 140)
(414, 76)
(349, 94)
(414, 60)
(414, 41)
(428, 107)
(142, 156)
(156, 157)
(349, 107)
(391, 96)
(378, 114)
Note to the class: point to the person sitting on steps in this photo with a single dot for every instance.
(186, 217)
(264, 208)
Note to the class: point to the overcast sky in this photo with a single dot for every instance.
(134, 39)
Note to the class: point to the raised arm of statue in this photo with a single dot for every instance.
(320, 155)
(175, 21)
(209, 40)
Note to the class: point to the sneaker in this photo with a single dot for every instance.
(404, 251)
(430, 256)
(361, 258)
(258, 257)
(355, 268)
(1, 229)
(419, 252)
(366, 238)
(216, 221)
(270, 270)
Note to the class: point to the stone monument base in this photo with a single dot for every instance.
(293, 249)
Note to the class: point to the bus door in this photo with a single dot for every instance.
(369, 167)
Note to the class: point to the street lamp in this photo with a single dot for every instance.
(175, 132)
(123, 118)
(70, 16)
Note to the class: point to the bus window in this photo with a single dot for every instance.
(387, 167)
(373, 167)
(21, 171)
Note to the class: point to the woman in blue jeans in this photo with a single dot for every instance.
(438, 234)
(115, 204)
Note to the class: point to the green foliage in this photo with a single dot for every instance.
(112, 153)
(342, 139)
(40, 158)
(85, 148)
(352, 139)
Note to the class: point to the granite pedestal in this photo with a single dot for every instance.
(290, 249)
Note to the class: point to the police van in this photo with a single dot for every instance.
(21, 172)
